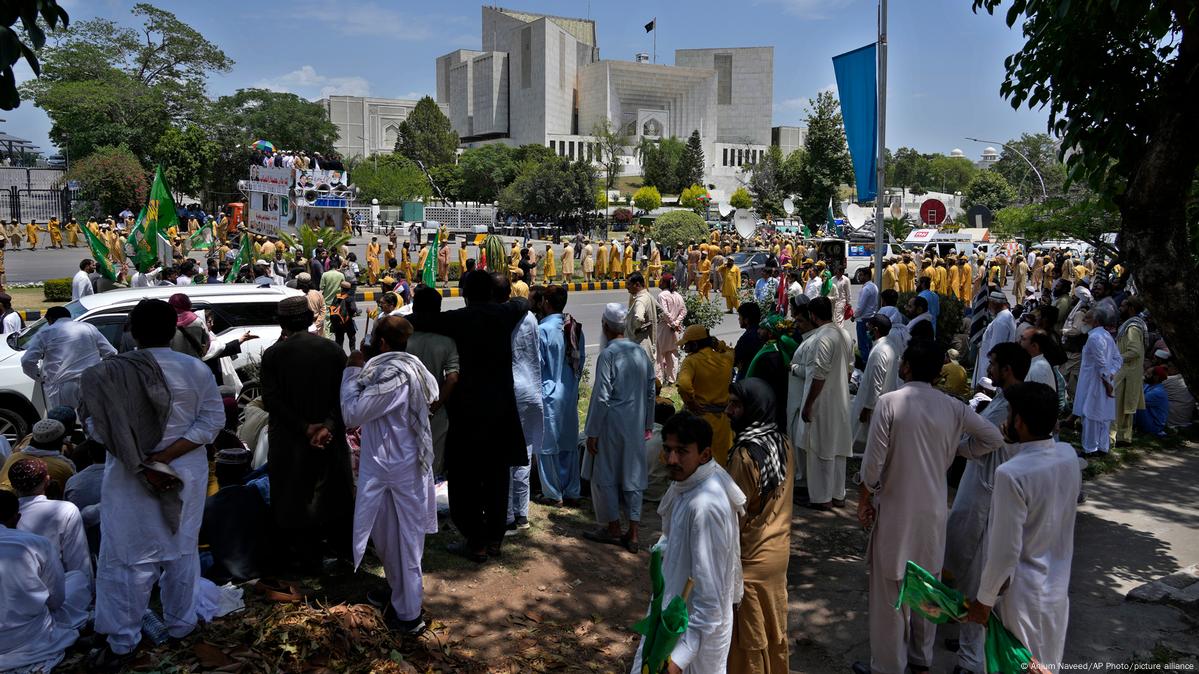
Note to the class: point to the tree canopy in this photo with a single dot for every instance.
(691, 164)
(390, 178)
(426, 135)
(989, 189)
(827, 164)
(1119, 83)
(660, 163)
(112, 179)
(12, 42)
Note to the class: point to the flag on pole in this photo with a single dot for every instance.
(832, 220)
(429, 276)
(160, 213)
(101, 253)
(141, 246)
(650, 26)
(202, 238)
(244, 252)
(857, 88)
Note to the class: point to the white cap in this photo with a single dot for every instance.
(615, 314)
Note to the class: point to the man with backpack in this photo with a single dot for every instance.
(341, 316)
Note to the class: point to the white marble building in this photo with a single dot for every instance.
(366, 126)
(538, 79)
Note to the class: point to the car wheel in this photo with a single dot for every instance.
(13, 425)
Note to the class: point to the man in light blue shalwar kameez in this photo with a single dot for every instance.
(526, 380)
(619, 419)
(562, 358)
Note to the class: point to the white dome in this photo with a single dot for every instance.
(990, 150)
(957, 152)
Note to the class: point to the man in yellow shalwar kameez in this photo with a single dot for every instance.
(731, 284)
(601, 262)
(373, 250)
(55, 231)
(629, 258)
(13, 231)
(705, 275)
(655, 265)
(703, 384)
(616, 261)
(31, 231)
(73, 233)
(568, 262)
(550, 271)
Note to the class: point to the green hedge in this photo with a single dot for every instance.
(57, 290)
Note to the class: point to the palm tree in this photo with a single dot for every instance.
(307, 238)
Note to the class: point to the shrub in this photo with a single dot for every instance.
(647, 198)
(455, 271)
(699, 312)
(667, 266)
(622, 215)
(57, 290)
(679, 227)
(741, 199)
(695, 198)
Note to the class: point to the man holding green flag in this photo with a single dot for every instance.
(244, 251)
(429, 274)
(101, 253)
(701, 543)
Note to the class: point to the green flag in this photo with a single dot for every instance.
(160, 211)
(832, 219)
(429, 276)
(244, 251)
(143, 250)
(202, 238)
(100, 252)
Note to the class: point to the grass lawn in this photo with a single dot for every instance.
(29, 298)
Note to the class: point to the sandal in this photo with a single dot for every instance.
(277, 590)
(630, 544)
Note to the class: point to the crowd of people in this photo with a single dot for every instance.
(144, 472)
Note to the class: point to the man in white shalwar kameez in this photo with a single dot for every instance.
(966, 527)
(34, 590)
(822, 429)
(60, 352)
(526, 382)
(57, 521)
(396, 506)
(1002, 328)
(915, 433)
(1030, 542)
(150, 518)
(701, 542)
(1094, 398)
(878, 377)
(620, 417)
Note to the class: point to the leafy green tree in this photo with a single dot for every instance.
(105, 83)
(827, 163)
(790, 172)
(237, 120)
(909, 167)
(647, 198)
(112, 179)
(989, 189)
(694, 197)
(426, 135)
(691, 165)
(447, 182)
(390, 178)
(12, 44)
(950, 174)
(660, 163)
(741, 198)
(679, 227)
(1041, 151)
(486, 170)
(186, 156)
(611, 148)
(765, 184)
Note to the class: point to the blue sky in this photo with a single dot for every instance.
(946, 63)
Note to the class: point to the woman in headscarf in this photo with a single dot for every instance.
(762, 464)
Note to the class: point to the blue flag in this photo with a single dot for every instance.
(857, 87)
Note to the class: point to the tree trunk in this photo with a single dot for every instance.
(1154, 236)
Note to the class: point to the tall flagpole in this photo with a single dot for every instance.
(655, 39)
(879, 216)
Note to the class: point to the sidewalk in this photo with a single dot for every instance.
(1139, 524)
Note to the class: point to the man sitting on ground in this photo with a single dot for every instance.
(57, 521)
(44, 443)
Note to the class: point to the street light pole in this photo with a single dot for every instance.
(1044, 192)
(880, 224)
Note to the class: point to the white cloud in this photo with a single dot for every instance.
(791, 105)
(811, 9)
(306, 81)
(363, 19)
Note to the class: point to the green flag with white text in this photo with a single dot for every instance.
(244, 251)
(101, 253)
(160, 211)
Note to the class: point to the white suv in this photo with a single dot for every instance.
(235, 309)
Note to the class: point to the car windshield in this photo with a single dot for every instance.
(18, 340)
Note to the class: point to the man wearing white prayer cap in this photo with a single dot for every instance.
(1002, 328)
(620, 416)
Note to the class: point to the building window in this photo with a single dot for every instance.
(572, 150)
(552, 146)
(724, 161)
(723, 64)
(740, 160)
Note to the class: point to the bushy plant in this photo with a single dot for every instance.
(112, 178)
(701, 312)
(678, 228)
(622, 215)
(306, 237)
(647, 198)
(57, 290)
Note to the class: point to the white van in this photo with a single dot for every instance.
(235, 309)
(861, 255)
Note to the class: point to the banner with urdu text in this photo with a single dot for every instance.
(857, 87)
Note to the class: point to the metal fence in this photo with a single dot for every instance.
(23, 204)
(30, 178)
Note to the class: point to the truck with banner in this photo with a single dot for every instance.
(281, 199)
